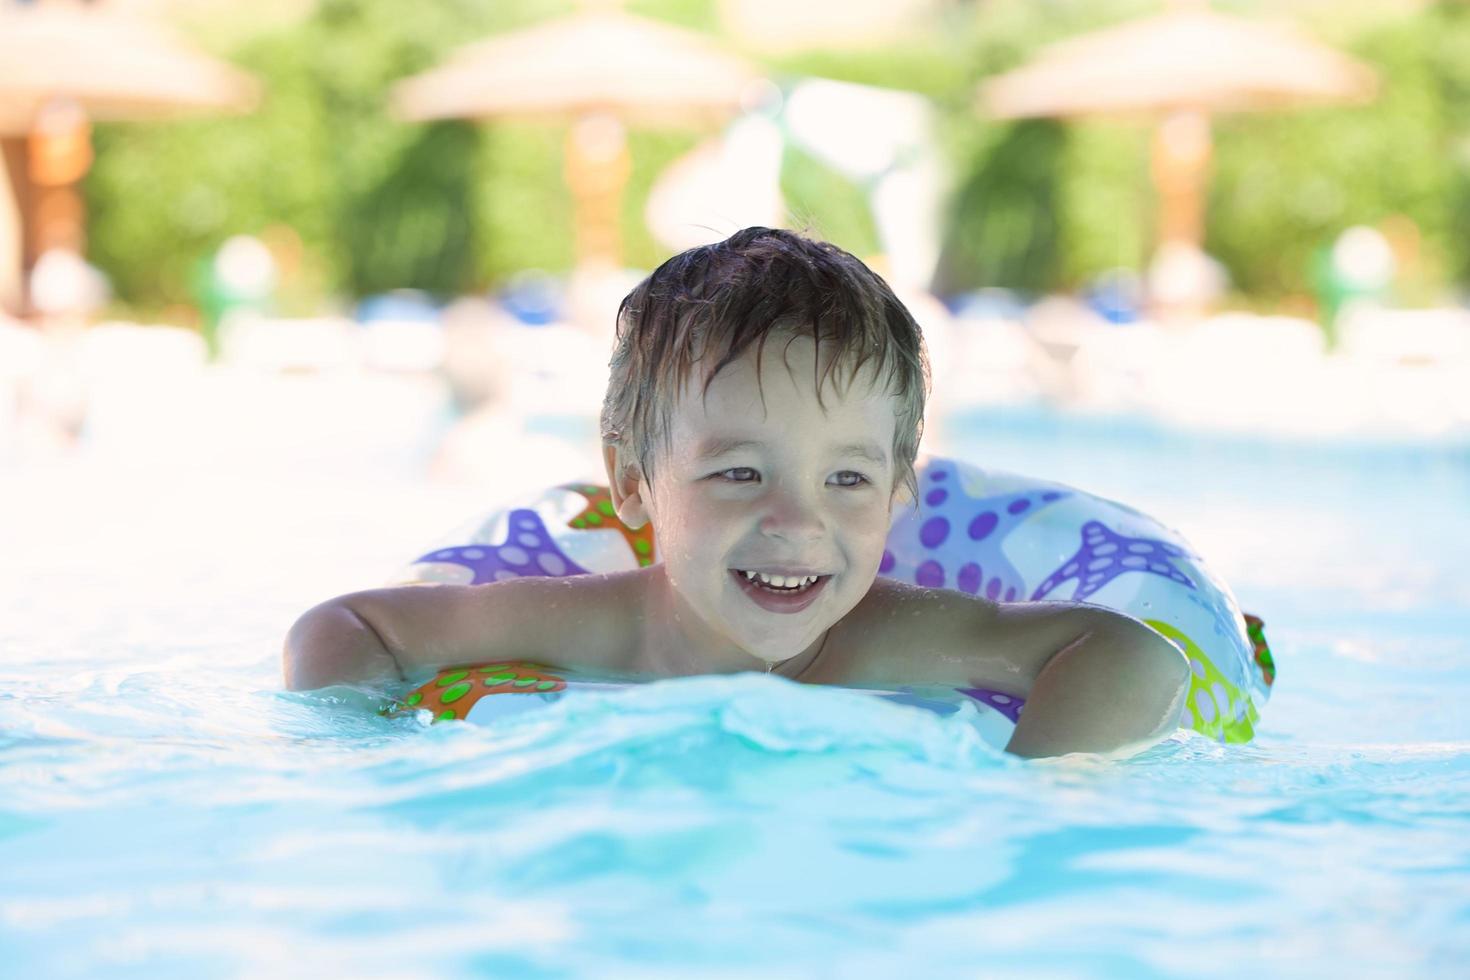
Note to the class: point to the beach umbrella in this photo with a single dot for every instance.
(597, 69)
(1177, 67)
(63, 65)
(115, 66)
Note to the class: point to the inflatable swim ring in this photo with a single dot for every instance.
(984, 532)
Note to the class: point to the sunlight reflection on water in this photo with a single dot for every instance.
(168, 808)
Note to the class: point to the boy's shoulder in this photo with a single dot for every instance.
(902, 634)
(589, 622)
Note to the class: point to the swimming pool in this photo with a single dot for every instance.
(169, 811)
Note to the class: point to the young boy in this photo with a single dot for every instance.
(764, 411)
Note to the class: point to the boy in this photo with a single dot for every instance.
(770, 473)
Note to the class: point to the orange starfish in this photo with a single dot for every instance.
(454, 692)
(599, 513)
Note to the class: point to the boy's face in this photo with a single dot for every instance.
(806, 492)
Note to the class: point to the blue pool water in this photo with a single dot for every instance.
(169, 811)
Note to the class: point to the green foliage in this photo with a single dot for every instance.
(826, 204)
(453, 206)
(377, 203)
(652, 152)
(161, 196)
(1005, 229)
(693, 15)
(1106, 203)
(1034, 206)
(522, 201)
(1285, 185)
(1448, 52)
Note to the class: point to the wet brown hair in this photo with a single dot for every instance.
(710, 304)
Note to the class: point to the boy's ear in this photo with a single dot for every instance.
(625, 484)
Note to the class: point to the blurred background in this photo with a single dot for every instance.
(1241, 217)
(289, 288)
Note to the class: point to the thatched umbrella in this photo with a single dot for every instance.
(596, 69)
(1180, 65)
(62, 64)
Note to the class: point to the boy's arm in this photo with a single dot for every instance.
(387, 634)
(1094, 680)
(332, 644)
(1116, 686)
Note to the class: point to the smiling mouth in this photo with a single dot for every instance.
(780, 584)
(780, 599)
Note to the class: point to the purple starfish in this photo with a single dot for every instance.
(1104, 555)
(1007, 704)
(532, 554)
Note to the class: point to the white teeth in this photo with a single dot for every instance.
(781, 581)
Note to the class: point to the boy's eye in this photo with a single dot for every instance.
(746, 475)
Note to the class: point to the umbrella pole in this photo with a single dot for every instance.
(15, 252)
(1181, 285)
(44, 170)
(597, 169)
(1181, 165)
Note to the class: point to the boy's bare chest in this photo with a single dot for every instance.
(896, 634)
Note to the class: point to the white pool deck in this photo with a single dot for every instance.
(1395, 376)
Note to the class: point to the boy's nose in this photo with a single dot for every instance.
(792, 515)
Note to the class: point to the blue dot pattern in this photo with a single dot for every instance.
(959, 542)
(959, 538)
(529, 551)
(1105, 554)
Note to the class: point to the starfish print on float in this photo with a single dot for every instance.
(1104, 555)
(974, 526)
(528, 551)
